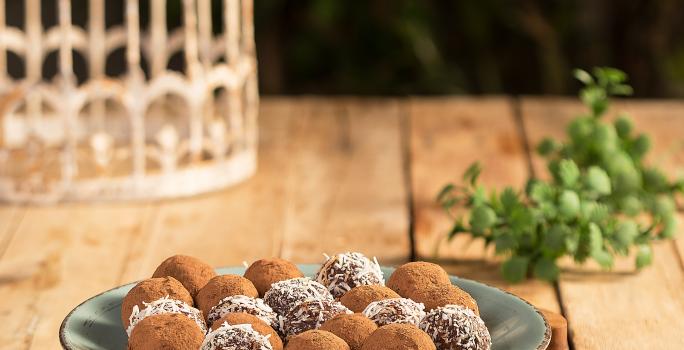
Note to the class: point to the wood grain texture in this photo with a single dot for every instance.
(621, 309)
(446, 136)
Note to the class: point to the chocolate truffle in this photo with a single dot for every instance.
(398, 337)
(165, 306)
(263, 273)
(343, 272)
(166, 332)
(455, 327)
(242, 303)
(221, 287)
(316, 340)
(399, 310)
(311, 314)
(150, 290)
(406, 278)
(233, 337)
(284, 295)
(352, 328)
(359, 297)
(191, 272)
(441, 295)
(256, 323)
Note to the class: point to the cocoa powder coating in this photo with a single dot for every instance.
(399, 337)
(358, 298)
(257, 324)
(193, 273)
(435, 296)
(223, 286)
(316, 340)
(263, 273)
(406, 278)
(150, 290)
(354, 329)
(166, 332)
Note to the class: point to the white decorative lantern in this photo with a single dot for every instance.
(135, 136)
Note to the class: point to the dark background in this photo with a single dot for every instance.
(398, 47)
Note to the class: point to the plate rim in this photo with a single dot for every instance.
(546, 340)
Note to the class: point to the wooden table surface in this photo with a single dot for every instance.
(339, 174)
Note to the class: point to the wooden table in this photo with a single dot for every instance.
(347, 174)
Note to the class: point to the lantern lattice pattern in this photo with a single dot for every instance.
(146, 134)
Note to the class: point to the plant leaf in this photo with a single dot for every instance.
(515, 268)
(597, 180)
(472, 173)
(546, 269)
(644, 256)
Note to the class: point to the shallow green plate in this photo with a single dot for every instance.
(513, 323)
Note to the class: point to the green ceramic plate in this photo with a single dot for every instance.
(513, 323)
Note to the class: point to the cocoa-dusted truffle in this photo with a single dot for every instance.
(398, 337)
(243, 303)
(311, 314)
(446, 294)
(165, 306)
(343, 272)
(234, 337)
(256, 323)
(406, 278)
(150, 290)
(352, 328)
(166, 332)
(263, 273)
(399, 310)
(359, 297)
(223, 286)
(316, 340)
(193, 273)
(455, 327)
(284, 295)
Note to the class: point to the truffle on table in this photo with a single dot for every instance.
(286, 294)
(193, 273)
(399, 310)
(243, 303)
(352, 328)
(221, 287)
(456, 327)
(316, 340)
(345, 271)
(166, 332)
(406, 278)
(165, 306)
(399, 337)
(442, 295)
(359, 297)
(311, 314)
(256, 323)
(233, 337)
(150, 290)
(263, 273)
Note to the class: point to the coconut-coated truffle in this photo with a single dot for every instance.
(311, 314)
(406, 278)
(234, 337)
(400, 310)
(243, 303)
(399, 337)
(455, 327)
(165, 306)
(316, 340)
(256, 323)
(359, 297)
(193, 273)
(345, 271)
(263, 273)
(166, 332)
(284, 295)
(352, 328)
(223, 286)
(150, 290)
(446, 294)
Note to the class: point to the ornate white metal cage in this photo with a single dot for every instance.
(149, 133)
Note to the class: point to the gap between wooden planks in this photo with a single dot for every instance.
(623, 310)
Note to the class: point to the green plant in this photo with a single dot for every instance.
(601, 199)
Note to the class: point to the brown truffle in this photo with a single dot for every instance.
(166, 332)
(257, 324)
(345, 271)
(406, 278)
(150, 290)
(223, 286)
(191, 272)
(284, 295)
(456, 327)
(311, 314)
(263, 273)
(358, 298)
(316, 340)
(399, 337)
(442, 295)
(234, 337)
(352, 328)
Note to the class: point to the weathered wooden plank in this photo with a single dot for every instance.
(621, 309)
(447, 135)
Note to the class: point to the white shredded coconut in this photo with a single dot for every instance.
(236, 337)
(165, 305)
(345, 271)
(243, 303)
(395, 310)
(455, 327)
